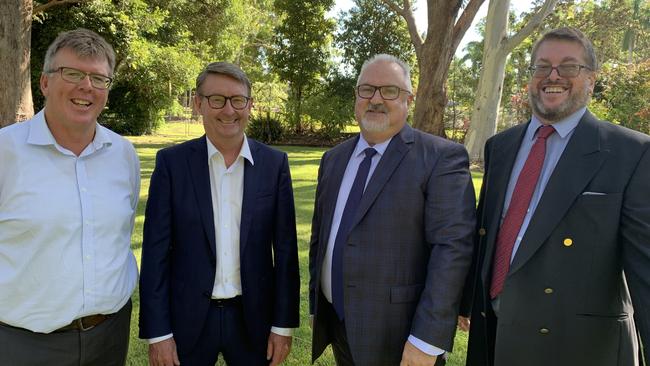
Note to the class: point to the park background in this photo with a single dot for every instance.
(469, 61)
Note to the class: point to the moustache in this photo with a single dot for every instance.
(377, 108)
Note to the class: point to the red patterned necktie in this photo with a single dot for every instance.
(519, 204)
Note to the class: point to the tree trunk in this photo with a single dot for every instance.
(490, 86)
(495, 52)
(431, 97)
(15, 42)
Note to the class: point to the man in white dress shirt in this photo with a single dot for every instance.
(219, 257)
(68, 194)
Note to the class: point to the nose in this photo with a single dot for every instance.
(85, 83)
(376, 98)
(227, 107)
(555, 74)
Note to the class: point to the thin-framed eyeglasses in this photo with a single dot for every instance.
(564, 70)
(75, 76)
(387, 92)
(218, 101)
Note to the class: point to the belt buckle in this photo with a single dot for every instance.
(80, 325)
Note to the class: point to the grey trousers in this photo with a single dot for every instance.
(105, 344)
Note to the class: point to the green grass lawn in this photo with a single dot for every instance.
(304, 168)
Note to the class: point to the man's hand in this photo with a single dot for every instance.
(463, 323)
(163, 353)
(278, 348)
(412, 356)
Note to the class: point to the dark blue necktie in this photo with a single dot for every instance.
(344, 229)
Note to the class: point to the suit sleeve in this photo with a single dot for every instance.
(635, 240)
(285, 251)
(314, 242)
(449, 226)
(474, 274)
(155, 318)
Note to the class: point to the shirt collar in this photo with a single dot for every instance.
(40, 134)
(362, 144)
(244, 152)
(562, 127)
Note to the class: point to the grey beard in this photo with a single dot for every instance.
(570, 106)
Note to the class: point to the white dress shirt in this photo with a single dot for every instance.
(65, 226)
(342, 198)
(227, 187)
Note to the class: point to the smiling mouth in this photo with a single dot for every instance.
(81, 102)
(554, 89)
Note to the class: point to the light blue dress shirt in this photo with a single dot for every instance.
(65, 226)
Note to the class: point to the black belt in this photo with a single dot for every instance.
(222, 303)
(81, 324)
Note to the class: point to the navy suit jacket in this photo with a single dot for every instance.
(178, 251)
(408, 250)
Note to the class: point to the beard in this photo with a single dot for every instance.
(576, 100)
(375, 126)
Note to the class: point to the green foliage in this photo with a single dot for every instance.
(625, 95)
(300, 51)
(265, 128)
(370, 28)
(332, 104)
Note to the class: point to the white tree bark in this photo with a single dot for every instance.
(495, 53)
(15, 43)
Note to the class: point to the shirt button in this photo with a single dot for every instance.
(88, 257)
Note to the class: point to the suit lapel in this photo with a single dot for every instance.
(501, 161)
(578, 164)
(395, 152)
(200, 171)
(251, 178)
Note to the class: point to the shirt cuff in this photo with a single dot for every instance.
(425, 347)
(159, 339)
(287, 332)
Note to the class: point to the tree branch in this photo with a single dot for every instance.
(51, 3)
(464, 22)
(407, 13)
(512, 42)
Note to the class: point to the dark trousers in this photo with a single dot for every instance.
(224, 332)
(337, 335)
(106, 344)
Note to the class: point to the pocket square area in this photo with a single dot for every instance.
(587, 193)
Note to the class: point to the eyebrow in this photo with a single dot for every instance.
(568, 58)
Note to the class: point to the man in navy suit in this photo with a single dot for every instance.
(387, 275)
(219, 257)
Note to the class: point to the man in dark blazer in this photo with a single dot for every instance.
(577, 290)
(219, 257)
(391, 294)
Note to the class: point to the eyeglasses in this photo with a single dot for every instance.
(75, 76)
(217, 101)
(564, 70)
(387, 92)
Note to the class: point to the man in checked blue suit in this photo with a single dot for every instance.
(219, 257)
(391, 234)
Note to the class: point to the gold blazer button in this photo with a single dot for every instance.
(568, 242)
(481, 231)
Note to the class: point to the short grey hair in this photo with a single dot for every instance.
(224, 68)
(382, 57)
(569, 34)
(84, 43)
